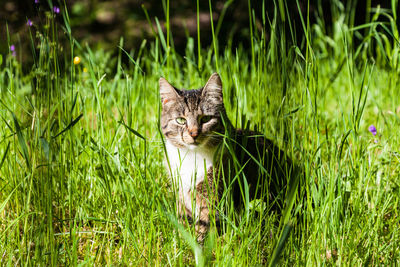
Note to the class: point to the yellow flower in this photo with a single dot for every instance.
(84, 69)
(77, 60)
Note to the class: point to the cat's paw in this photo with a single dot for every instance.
(201, 229)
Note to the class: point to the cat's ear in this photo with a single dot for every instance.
(167, 91)
(213, 88)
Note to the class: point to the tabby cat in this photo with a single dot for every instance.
(206, 154)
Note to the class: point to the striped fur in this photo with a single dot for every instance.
(192, 147)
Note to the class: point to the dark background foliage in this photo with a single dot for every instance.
(103, 23)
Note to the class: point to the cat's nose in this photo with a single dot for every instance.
(193, 133)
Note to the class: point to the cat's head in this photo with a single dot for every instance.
(191, 118)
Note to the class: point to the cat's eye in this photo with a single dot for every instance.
(205, 119)
(181, 120)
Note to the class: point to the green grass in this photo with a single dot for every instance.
(82, 179)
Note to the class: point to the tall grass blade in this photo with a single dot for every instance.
(280, 246)
(4, 155)
(132, 130)
(69, 126)
(196, 249)
(21, 141)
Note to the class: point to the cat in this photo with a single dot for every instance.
(206, 154)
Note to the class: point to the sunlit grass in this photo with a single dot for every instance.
(82, 177)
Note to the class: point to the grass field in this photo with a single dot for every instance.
(82, 180)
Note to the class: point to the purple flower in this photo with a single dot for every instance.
(372, 129)
(12, 49)
(36, 1)
(56, 9)
(29, 23)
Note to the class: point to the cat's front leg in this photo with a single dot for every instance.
(200, 214)
(203, 213)
(206, 199)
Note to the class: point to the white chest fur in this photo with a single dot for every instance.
(189, 166)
